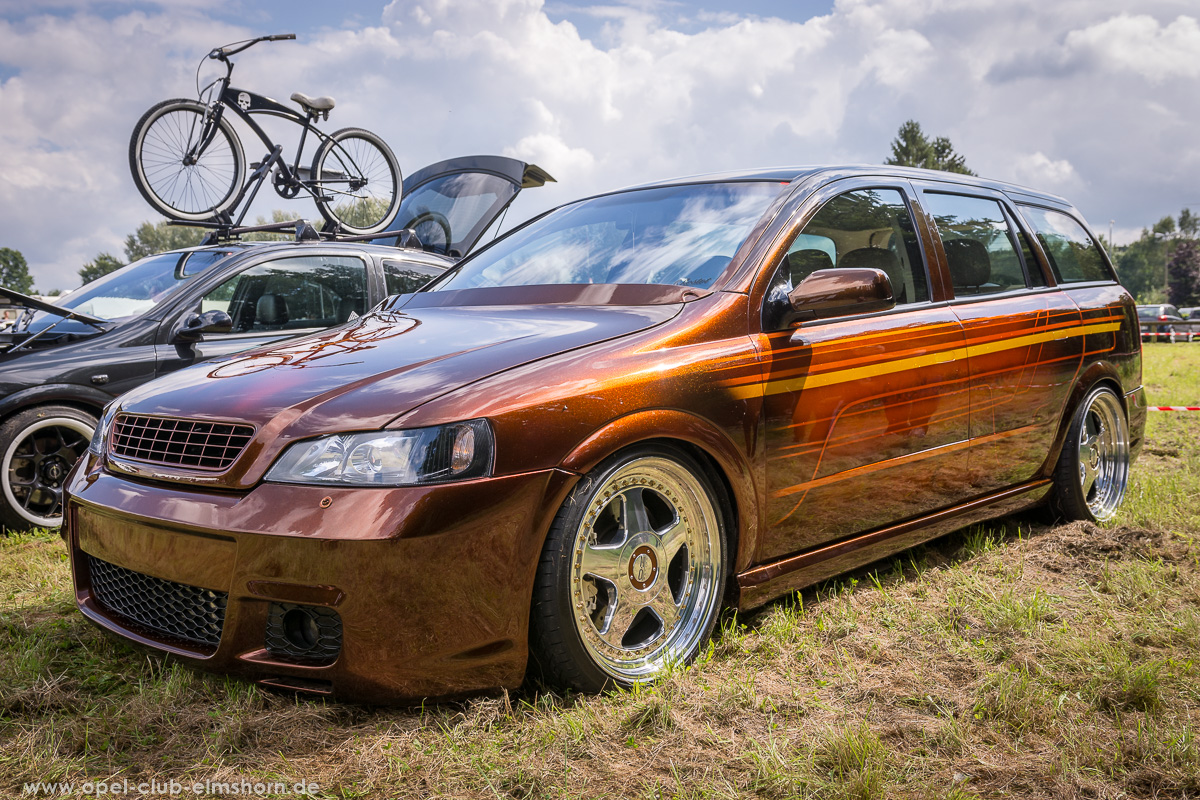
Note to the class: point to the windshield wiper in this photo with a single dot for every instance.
(9, 297)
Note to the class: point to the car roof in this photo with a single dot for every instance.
(243, 248)
(833, 172)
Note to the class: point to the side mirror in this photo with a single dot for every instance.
(839, 293)
(194, 326)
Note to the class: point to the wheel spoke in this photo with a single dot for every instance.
(619, 621)
(602, 562)
(674, 538)
(665, 609)
(635, 518)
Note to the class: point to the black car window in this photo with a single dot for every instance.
(292, 293)
(978, 244)
(1074, 256)
(402, 278)
(448, 213)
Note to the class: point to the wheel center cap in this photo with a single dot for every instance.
(53, 470)
(643, 568)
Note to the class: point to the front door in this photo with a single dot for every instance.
(275, 300)
(866, 417)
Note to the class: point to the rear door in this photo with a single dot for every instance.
(1023, 337)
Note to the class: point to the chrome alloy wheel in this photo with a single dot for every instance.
(1103, 453)
(645, 569)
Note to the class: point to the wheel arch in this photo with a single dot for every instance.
(91, 401)
(726, 467)
(1098, 373)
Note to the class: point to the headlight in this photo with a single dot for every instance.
(96, 447)
(451, 452)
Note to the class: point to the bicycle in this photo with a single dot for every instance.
(188, 162)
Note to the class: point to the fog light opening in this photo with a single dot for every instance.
(301, 629)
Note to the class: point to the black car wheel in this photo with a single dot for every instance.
(38, 448)
(632, 573)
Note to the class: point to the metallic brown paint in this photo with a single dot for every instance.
(942, 413)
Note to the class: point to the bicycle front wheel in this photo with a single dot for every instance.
(179, 173)
(356, 181)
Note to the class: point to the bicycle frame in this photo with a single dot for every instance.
(244, 104)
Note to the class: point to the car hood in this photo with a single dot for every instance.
(363, 375)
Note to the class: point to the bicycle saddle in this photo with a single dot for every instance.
(322, 103)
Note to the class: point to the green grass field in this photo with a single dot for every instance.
(1014, 659)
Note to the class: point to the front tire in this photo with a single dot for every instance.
(1093, 468)
(632, 573)
(356, 181)
(38, 448)
(159, 155)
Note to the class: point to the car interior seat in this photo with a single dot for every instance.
(271, 311)
(880, 259)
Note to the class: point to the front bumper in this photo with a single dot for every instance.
(431, 585)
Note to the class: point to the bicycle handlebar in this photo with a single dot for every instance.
(225, 51)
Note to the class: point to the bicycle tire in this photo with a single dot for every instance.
(346, 157)
(190, 192)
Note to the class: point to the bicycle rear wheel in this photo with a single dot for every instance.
(356, 181)
(176, 180)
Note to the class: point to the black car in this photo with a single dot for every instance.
(61, 364)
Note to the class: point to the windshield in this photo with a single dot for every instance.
(449, 213)
(680, 235)
(141, 285)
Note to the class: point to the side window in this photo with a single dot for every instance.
(292, 294)
(864, 228)
(402, 278)
(1074, 256)
(978, 244)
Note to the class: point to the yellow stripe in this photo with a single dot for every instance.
(929, 359)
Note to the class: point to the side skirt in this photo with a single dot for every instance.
(768, 581)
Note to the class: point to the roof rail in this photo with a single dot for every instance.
(223, 230)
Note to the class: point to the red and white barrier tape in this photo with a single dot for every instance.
(1174, 408)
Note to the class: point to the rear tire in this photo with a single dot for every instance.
(357, 181)
(1093, 468)
(38, 448)
(632, 574)
(158, 149)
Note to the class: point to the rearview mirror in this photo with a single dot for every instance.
(194, 326)
(838, 293)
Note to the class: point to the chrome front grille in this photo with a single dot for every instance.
(189, 443)
(165, 608)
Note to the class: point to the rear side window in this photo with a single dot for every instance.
(978, 244)
(1074, 256)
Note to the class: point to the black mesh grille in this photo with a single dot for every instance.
(318, 649)
(169, 609)
(179, 442)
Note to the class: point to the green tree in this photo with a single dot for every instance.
(14, 272)
(911, 148)
(1183, 274)
(101, 265)
(151, 238)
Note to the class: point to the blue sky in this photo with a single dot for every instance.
(1092, 99)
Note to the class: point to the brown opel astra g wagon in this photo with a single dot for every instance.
(567, 453)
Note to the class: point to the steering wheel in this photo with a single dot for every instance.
(433, 231)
